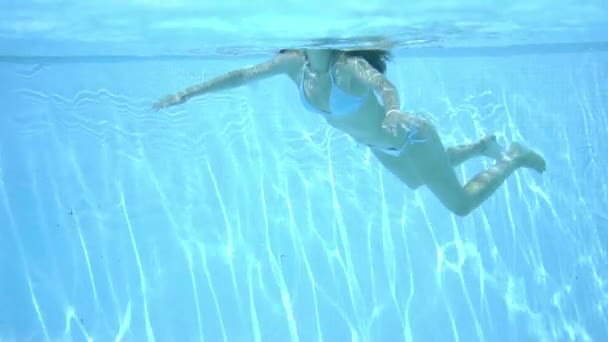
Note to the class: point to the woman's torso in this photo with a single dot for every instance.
(361, 119)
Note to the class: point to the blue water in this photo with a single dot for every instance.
(239, 216)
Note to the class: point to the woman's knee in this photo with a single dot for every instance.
(449, 192)
(460, 209)
(458, 206)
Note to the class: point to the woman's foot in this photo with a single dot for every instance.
(490, 148)
(528, 158)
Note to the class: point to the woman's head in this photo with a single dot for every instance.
(320, 59)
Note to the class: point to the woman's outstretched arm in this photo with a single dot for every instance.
(279, 64)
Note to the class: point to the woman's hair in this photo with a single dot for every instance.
(376, 58)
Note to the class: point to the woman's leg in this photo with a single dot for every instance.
(463, 200)
(401, 167)
(434, 167)
(487, 146)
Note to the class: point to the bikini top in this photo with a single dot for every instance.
(341, 103)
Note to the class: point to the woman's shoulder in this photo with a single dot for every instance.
(293, 60)
(291, 54)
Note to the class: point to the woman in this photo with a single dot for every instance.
(349, 89)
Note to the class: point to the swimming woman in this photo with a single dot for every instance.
(349, 89)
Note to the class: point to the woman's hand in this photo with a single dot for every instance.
(416, 129)
(396, 119)
(170, 100)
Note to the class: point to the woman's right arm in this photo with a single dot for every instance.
(279, 64)
(386, 92)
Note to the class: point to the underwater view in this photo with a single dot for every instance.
(304, 171)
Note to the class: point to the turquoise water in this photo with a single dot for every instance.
(239, 216)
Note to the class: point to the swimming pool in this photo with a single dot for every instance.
(242, 217)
